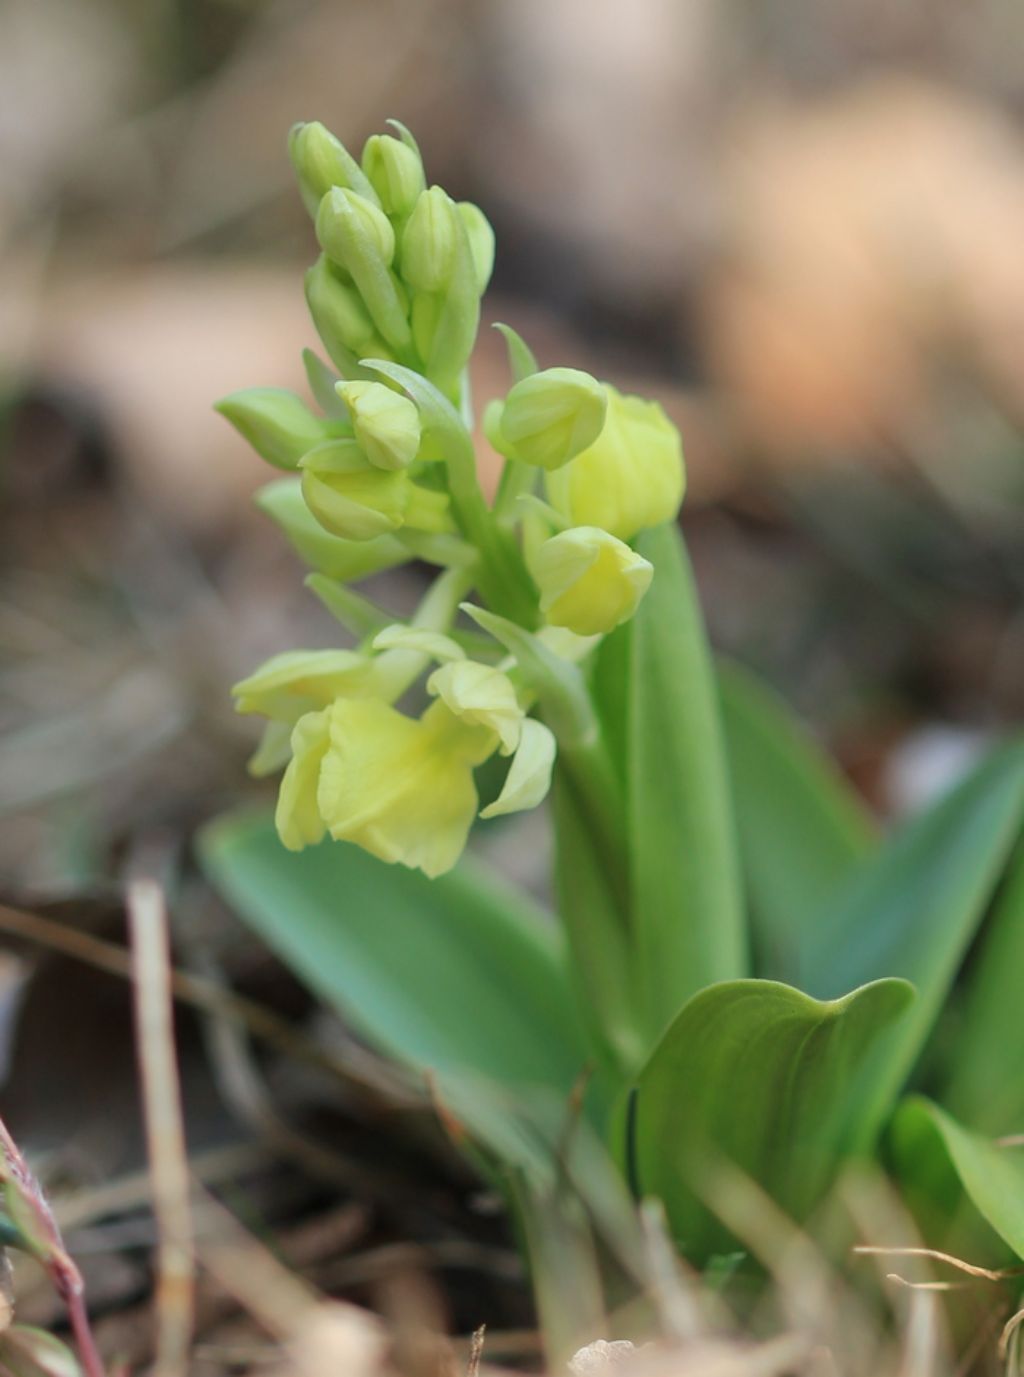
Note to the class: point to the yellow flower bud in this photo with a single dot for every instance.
(630, 478)
(589, 581)
(400, 788)
(348, 496)
(387, 424)
(429, 241)
(552, 416)
(395, 171)
(482, 696)
(481, 242)
(345, 560)
(289, 685)
(353, 499)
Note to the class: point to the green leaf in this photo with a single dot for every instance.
(457, 974)
(521, 360)
(992, 1176)
(803, 832)
(321, 381)
(593, 921)
(761, 1075)
(914, 909)
(686, 912)
(985, 1086)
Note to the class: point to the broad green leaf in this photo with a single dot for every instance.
(914, 909)
(802, 830)
(763, 1076)
(985, 1086)
(453, 975)
(687, 923)
(992, 1176)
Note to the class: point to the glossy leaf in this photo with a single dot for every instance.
(992, 1176)
(914, 909)
(803, 832)
(985, 1087)
(763, 1076)
(686, 917)
(456, 974)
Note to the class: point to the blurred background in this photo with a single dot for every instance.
(800, 225)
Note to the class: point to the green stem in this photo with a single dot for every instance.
(503, 580)
(517, 480)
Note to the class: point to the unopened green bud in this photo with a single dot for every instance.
(552, 416)
(630, 478)
(426, 312)
(353, 499)
(357, 235)
(278, 424)
(387, 424)
(395, 171)
(321, 161)
(429, 241)
(344, 560)
(349, 226)
(341, 319)
(481, 242)
(348, 496)
(589, 582)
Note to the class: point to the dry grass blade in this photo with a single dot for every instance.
(476, 1352)
(922, 1344)
(1011, 1329)
(972, 1270)
(322, 1336)
(165, 1133)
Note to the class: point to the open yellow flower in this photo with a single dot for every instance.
(481, 696)
(401, 788)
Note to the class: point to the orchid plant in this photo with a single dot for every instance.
(739, 976)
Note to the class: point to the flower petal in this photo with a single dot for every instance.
(482, 696)
(400, 788)
(298, 681)
(298, 818)
(432, 643)
(529, 776)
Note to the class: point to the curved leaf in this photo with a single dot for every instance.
(915, 908)
(992, 1176)
(455, 974)
(985, 1086)
(764, 1076)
